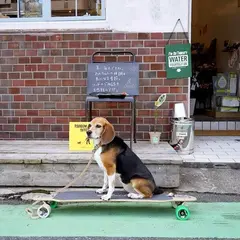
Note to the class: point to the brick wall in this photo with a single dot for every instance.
(43, 82)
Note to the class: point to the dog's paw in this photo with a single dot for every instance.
(135, 196)
(105, 197)
(101, 190)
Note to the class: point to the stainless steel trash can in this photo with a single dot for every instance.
(182, 137)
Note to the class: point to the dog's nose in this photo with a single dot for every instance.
(89, 132)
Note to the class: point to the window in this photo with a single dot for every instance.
(47, 10)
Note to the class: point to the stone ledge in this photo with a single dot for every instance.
(49, 152)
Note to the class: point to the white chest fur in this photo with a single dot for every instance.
(97, 158)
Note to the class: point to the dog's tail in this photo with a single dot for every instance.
(158, 190)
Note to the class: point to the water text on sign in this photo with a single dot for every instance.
(178, 59)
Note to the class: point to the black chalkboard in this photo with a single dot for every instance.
(114, 77)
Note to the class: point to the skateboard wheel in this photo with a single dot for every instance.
(182, 213)
(44, 211)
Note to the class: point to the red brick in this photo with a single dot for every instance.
(56, 37)
(50, 45)
(124, 120)
(87, 44)
(163, 90)
(156, 82)
(55, 82)
(161, 74)
(37, 105)
(48, 59)
(112, 44)
(93, 36)
(84, 59)
(119, 36)
(44, 128)
(30, 82)
(20, 113)
(105, 36)
(30, 38)
(62, 105)
(42, 82)
(90, 51)
(138, 44)
(32, 112)
(55, 67)
(24, 60)
(143, 36)
(19, 52)
(118, 113)
(99, 58)
(150, 43)
(51, 75)
(68, 67)
(69, 113)
(161, 43)
(18, 82)
(25, 120)
(21, 127)
(156, 66)
(63, 120)
(14, 90)
(30, 68)
(143, 51)
(181, 97)
(26, 75)
(80, 52)
(37, 120)
(13, 45)
(63, 134)
(62, 44)
(156, 35)
(99, 44)
(131, 36)
(18, 68)
(36, 60)
(38, 45)
(149, 89)
(123, 58)
(80, 113)
(7, 53)
(44, 112)
(56, 112)
(143, 112)
(43, 38)
(124, 44)
(73, 59)
(19, 98)
(149, 58)
(31, 52)
(43, 67)
(39, 75)
(157, 51)
(123, 105)
(49, 120)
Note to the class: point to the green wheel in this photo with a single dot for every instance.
(53, 204)
(182, 213)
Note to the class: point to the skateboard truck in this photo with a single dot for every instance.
(42, 211)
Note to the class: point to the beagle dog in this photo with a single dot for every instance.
(114, 157)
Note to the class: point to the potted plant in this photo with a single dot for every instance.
(155, 135)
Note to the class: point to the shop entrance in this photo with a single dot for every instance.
(215, 87)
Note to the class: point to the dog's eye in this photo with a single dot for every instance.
(98, 126)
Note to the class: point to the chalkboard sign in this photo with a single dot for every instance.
(113, 77)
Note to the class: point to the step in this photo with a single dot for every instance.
(50, 163)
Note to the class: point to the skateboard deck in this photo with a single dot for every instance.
(50, 202)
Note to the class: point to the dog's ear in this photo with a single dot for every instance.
(108, 133)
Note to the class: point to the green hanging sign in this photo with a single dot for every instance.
(178, 60)
(178, 57)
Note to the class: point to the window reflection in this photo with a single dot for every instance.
(20, 8)
(65, 8)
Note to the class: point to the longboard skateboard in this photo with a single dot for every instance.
(47, 203)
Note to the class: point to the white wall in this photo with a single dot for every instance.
(223, 18)
(123, 15)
